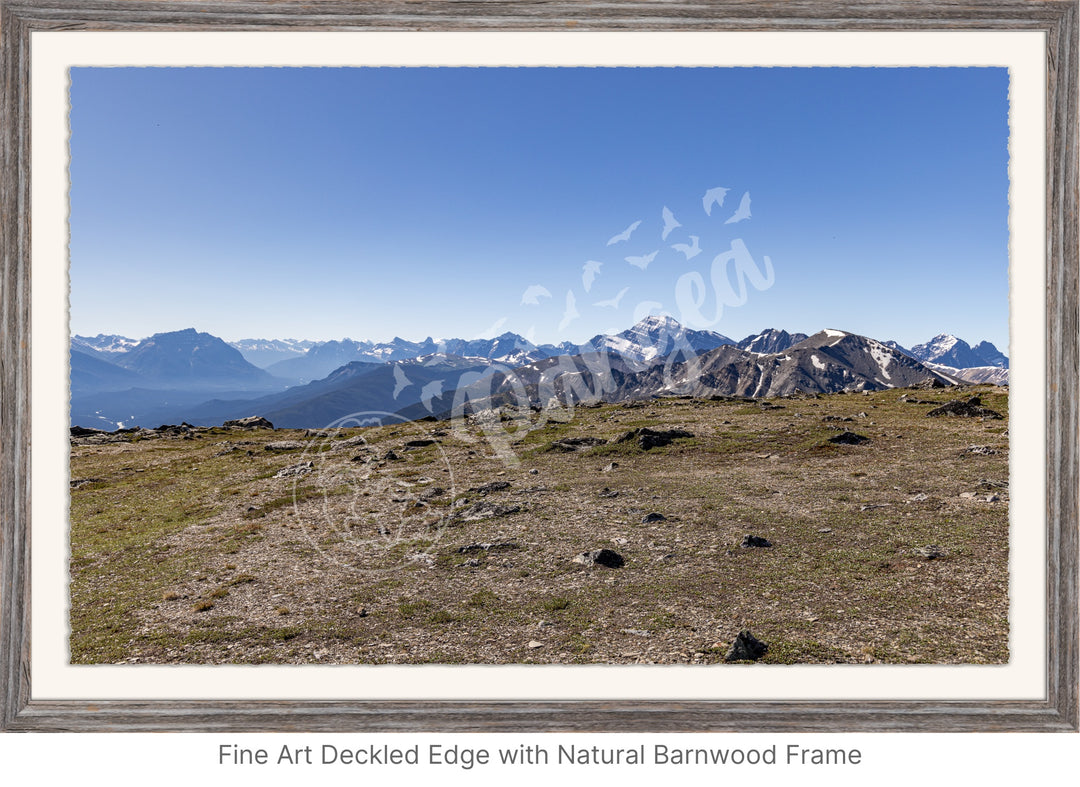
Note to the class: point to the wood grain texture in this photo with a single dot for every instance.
(1059, 712)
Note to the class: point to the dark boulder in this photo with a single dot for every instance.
(608, 558)
(746, 648)
(848, 438)
(969, 408)
(749, 542)
(251, 422)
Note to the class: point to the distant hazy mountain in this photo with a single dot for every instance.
(324, 357)
(189, 359)
(948, 350)
(106, 343)
(89, 373)
(264, 352)
(357, 387)
(192, 376)
(771, 340)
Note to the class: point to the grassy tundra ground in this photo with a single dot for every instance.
(190, 550)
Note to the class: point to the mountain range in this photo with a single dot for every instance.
(196, 377)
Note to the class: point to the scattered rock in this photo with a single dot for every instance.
(601, 557)
(75, 483)
(494, 486)
(82, 431)
(574, 443)
(750, 542)
(284, 445)
(848, 438)
(979, 449)
(608, 493)
(652, 438)
(349, 442)
(501, 546)
(534, 471)
(968, 495)
(746, 648)
(648, 519)
(251, 422)
(484, 510)
(533, 644)
(873, 506)
(303, 468)
(992, 498)
(969, 408)
(411, 444)
(637, 632)
(824, 529)
(828, 418)
(609, 467)
(390, 456)
(919, 498)
(656, 438)
(931, 552)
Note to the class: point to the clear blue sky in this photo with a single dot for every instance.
(321, 203)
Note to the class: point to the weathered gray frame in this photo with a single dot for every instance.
(1057, 18)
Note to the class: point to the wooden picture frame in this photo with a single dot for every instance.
(1058, 711)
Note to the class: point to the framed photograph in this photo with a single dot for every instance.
(539, 368)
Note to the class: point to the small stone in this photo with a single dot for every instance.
(648, 519)
(824, 529)
(919, 498)
(534, 644)
(494, 486)
(284, 445)
(391, 456)
(303, 468)
(534, 471)
(605, 492)
(609, 467)
(362, 612)
(746, 648)
(500, 546)
(849, 438)
(931, 552)
(750, 542)
(968, 495)
(991, 498)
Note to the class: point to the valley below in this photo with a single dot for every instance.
(836, 528)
